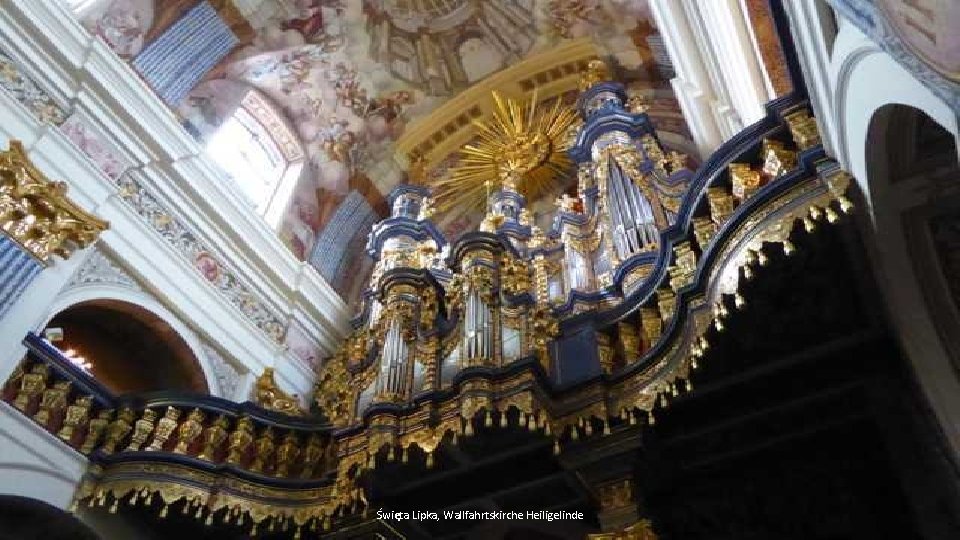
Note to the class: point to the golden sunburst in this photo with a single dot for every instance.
(522, 146)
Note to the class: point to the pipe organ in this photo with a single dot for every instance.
(497, 295)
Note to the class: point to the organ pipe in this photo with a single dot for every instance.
(394, 363)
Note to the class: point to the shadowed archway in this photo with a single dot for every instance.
(131, 349)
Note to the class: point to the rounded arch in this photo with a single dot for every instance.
(866, 79)
(872, 92)
(149, 313)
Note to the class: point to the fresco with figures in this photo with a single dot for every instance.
(351, 76)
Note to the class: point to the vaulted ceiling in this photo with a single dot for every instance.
(354, 78)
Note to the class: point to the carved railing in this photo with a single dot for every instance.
(201, 451)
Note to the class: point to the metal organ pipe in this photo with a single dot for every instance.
(477, 328)
(393, 362)
(630, 212)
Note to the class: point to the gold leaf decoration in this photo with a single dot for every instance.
(522, 147)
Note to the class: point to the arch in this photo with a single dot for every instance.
(146, 308)
(867, 83)
(858, 67)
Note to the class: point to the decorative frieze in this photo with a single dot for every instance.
(99, 269)
(228, 377)
(28, 93)
(200, 255)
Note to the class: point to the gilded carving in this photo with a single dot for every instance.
(52, 402)
(777, 159)
(597, 71)
(287, 454)
(240, 440)
(76, 415)
(165, 427)
(142, 429)
(269, 395)
(32, 384)
(95, 429)
(685, 266)
(118, 429)
(37, 213)
(263, 450)
(213, 437)
(746, 181)
(803, 129)
(721, 204)
(605, 352)
(189, 430)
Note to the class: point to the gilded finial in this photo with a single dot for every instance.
(637, 104)
(417, 172)
(597, 71)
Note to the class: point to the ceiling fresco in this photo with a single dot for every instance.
(351, 76)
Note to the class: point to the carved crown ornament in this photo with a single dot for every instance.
(36, 212)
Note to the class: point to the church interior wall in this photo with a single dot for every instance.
(34, 463)
(850, 77)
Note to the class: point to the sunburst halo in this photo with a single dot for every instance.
(525, 145)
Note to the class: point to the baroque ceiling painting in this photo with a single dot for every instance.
(352, 78)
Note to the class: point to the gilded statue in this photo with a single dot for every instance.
(189, 431)
(269, 395)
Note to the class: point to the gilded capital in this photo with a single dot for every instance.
(36, 212)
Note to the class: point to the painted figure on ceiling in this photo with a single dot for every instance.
(123, 24)
(384, 115)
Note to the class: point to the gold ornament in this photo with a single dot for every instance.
(118, 429)
(213, 437)
(52, 402)
(36, 212)
(189, 431)
(522, 148)
(95, 429)
(165, 428)
(141, 430)
(240, 440)
(269, 395)
(31, 385)
(76, 415)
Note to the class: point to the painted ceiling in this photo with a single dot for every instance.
(352, 76)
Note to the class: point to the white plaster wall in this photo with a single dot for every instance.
(720, 83)
(34, 463)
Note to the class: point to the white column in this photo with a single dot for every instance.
(692, 85)
(731, 48)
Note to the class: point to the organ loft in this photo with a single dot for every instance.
(454, 270)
